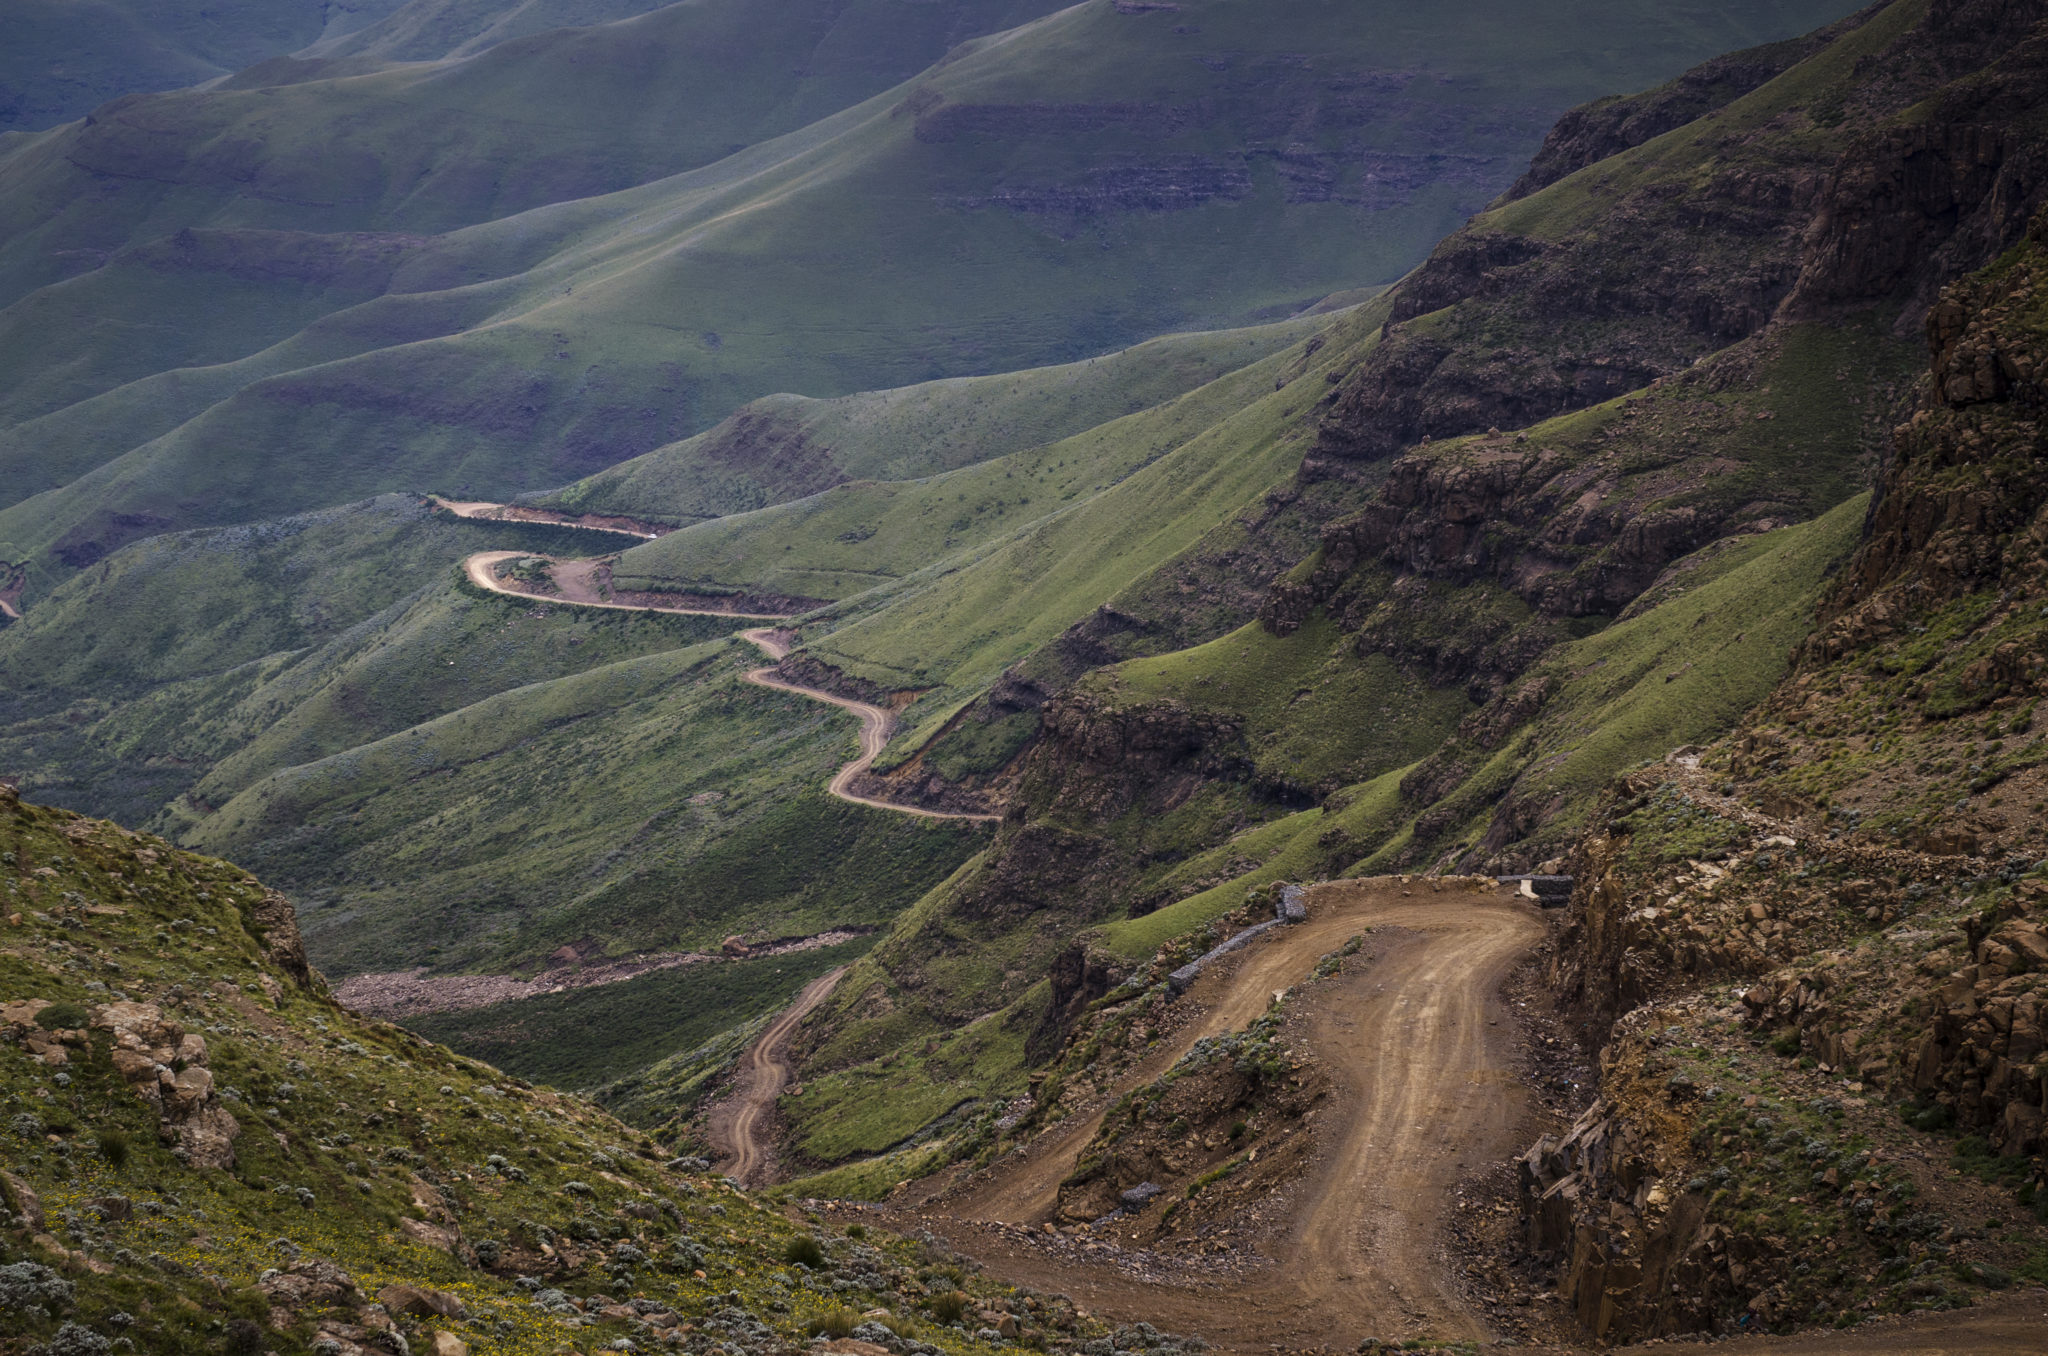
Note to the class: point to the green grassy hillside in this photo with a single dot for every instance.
(658, 802)
(887, 544)
(1163, 479)
(126, 687)
(1098, 177)
(308, 1159)
(1681, 671)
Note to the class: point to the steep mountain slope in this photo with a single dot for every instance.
(166, 634)
(206, 1152)
(1480, 565)
(1099, 176)
(275, 688)
(1850, 917)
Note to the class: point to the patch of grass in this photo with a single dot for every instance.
(63, 1016)
(113, 1146)
(871, 1107)
(1312, 710)
(869, 1179)
(803, 1250)
(644, 1020)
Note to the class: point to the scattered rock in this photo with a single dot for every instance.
(420, 1302)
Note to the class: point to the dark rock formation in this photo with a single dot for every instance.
(1606, 127)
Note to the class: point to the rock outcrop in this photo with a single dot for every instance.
(1870, 205)
(1855, 871)
(165, 1066)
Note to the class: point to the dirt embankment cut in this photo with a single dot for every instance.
(519, 513)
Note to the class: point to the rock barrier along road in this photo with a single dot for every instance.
(876, 723)
(737, 1124)
(1426, 1091)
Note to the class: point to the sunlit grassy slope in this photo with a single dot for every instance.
(786, 445)
(652, 802)
(886, 543)
(1160, 479)
(1058, 190)
(1680, 671)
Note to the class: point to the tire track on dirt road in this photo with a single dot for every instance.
(1425, 1080)
(736, 1125)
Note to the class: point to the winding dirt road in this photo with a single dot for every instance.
(876, 723)
(736, 1124)
(1426, 1091)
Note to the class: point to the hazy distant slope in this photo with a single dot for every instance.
(856, 46)
(1054, 191)
(62, 58)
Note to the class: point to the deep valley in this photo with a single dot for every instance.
(925, 677)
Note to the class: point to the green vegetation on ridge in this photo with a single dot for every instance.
(1060, 189)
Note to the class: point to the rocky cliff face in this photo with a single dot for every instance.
(1527, 323)
(1849, 884)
